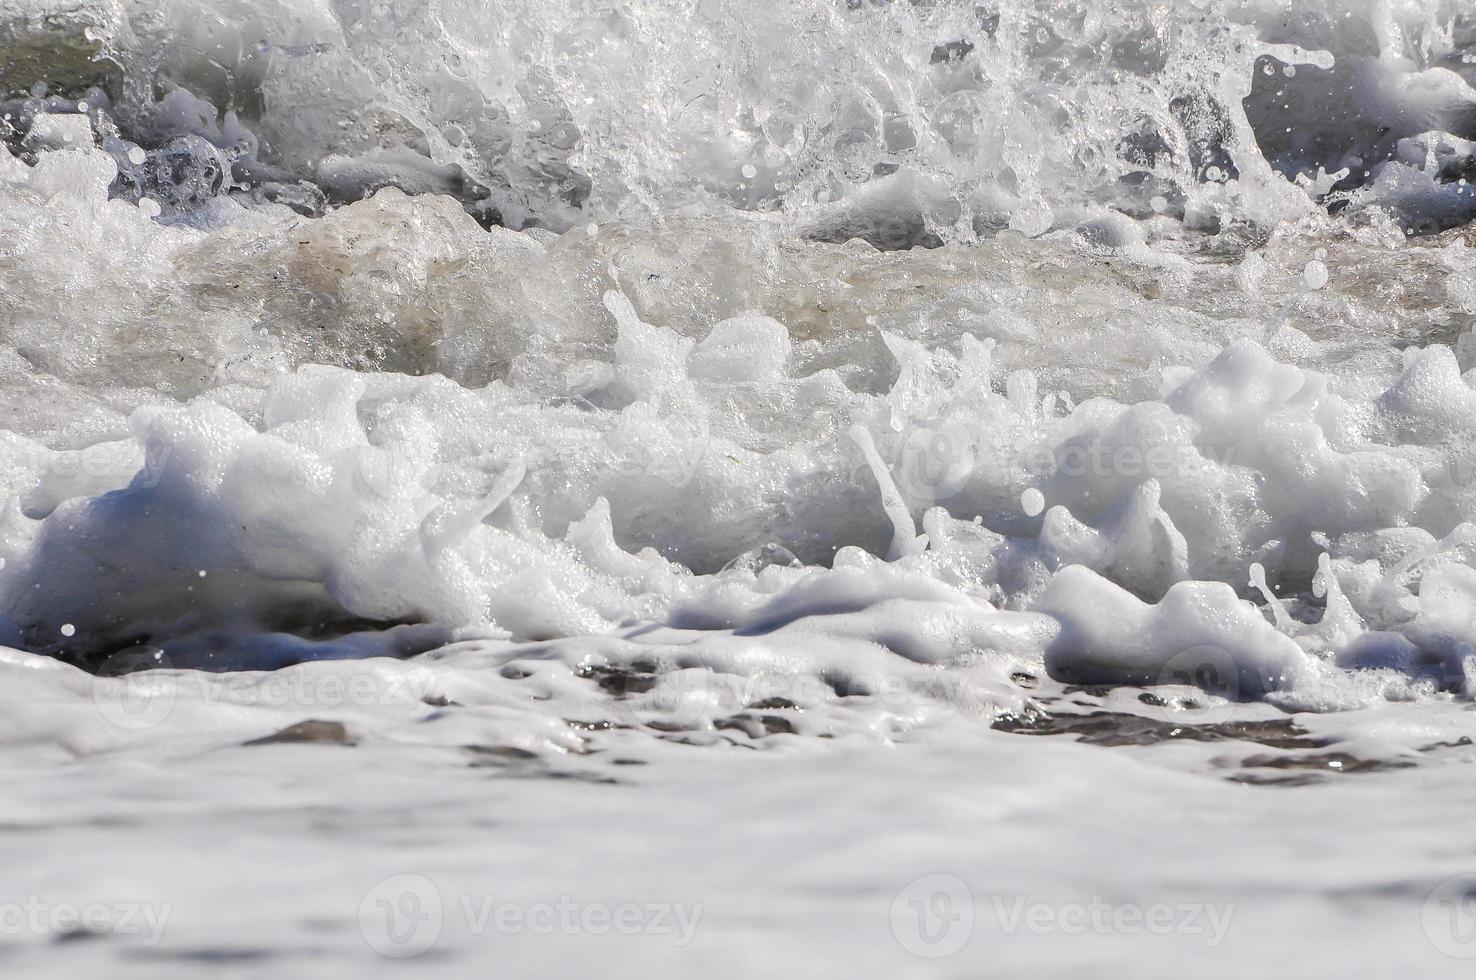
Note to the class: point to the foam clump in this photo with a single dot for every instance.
(311, 359)
(1199, 631)
(348, 500)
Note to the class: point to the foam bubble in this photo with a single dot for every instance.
(1315, 276)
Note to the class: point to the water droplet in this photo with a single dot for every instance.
(1032, 501)
(68, 629)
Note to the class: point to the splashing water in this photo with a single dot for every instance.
(414, 326)
(567, 386)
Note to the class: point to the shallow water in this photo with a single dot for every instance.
(551, 435)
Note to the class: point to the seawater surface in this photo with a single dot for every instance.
(973, 487)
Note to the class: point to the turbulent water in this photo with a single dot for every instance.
(559, 386)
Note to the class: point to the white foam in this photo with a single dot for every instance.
(1153, 449)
